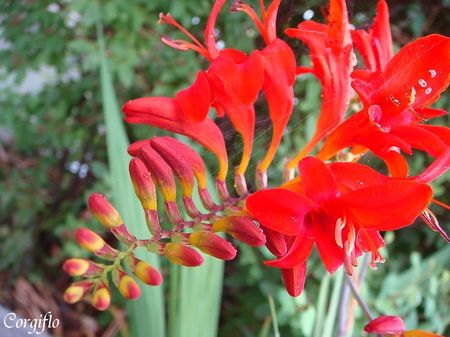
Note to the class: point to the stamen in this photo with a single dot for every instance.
(243, 7)
(348, 260)
(430, 220)
(340, 224)
(200, 48)
(440, 203)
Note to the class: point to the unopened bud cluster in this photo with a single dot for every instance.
(158, 166)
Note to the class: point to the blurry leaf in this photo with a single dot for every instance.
(146, 313)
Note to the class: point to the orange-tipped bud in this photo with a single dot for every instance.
(145, 272)
(76, 291)
(101, 298)
(212, 244)
(143, 184)
(160, 171)
(103, 211)
(93, 243)
(128, 287)
(179, 253)
(81, 267)
(242, 228)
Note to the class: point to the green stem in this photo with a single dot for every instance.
(273, 313)
(359, 299)
(334, 304)
(322, 302)
(173, 300)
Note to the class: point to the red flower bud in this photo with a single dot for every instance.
(128, 287)
(76, 291)
(145, 272)
(101, 298)
(93, 243)
(242, 228)
(276, 242)
(179, 253)
(143, 184)
(104, 212)
(81, 267)
(392, 325)
(212, 244)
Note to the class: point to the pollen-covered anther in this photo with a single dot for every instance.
(431, 221)
(212, 244)
(101, 299)
(103, 211)
(339, 226)
(181, 254)
(242, 228)
(81, 267)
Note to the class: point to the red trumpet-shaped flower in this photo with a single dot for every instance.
(333, 59)
(396, 101)
(339, 207)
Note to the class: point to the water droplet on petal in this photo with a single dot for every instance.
(432, 73)
(428, 91)
(394, 100)
(422, 83)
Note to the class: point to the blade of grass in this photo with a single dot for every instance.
(334, 303)
(200, 293)
(273, 314)
(146, 315)
(321, 305)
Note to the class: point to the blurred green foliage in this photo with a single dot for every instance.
(53, 151)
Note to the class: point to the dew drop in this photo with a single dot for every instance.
(432, 73)
(428, 91)
(394, 100)
(422, 83)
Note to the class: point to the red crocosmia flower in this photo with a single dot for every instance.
(165, 113)
(339, 207)
(333, 59)
(394, 327)
(396, 101)
(279, 75)
(375, 44)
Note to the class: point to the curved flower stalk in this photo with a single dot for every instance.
(157, 165)
(339, 207)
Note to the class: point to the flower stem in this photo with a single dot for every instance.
(358, 298)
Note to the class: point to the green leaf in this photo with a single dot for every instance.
(146, 315)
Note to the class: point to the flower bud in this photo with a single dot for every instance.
(81, 267)
(212, 244)
(143, 184)
(76, 291)
(93, 243)
(179, 253)
(128, 287)
(276, 242)
(101, 298)
(103, 211)
(242, 228)
(386, 325)
(145, 272)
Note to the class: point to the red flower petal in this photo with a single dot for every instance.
(163, 112)
(387, 206)
(279, 76)
(323, 231)
(420, 138)
(297, 253)
(276, 242)
(317, 179)
(392, 325)
(353, 176)
(195, 100)
(279, 209)
(294, 279)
